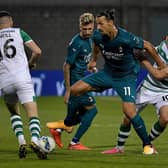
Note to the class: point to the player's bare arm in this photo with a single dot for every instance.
(158, 74)
(92, 63)
(151, 50)
(66, 70)
(36, 53)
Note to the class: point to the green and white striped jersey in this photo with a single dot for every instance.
(13, 59)
(150, 82)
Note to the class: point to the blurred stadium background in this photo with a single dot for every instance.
(52, 23)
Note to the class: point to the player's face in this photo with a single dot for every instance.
(86, 30)
(104, 25)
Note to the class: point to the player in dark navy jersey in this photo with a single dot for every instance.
(116, 45)
(75, 66)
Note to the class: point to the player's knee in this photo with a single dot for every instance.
(164, 121)
(163, 116)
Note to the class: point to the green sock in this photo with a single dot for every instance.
(73, 106)
(123, 134)
(34, 127)
(17, 126)
(156, 130)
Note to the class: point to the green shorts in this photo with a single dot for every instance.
(124, 86)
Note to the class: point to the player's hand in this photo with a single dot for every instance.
(92, 66)
(32, 66)
(163, 66)
(66, 96)
(94, 70)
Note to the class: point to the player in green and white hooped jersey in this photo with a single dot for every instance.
(120, 69)
(153, 90)
(15, 81)
(83, 110)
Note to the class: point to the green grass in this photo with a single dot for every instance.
(102, 135)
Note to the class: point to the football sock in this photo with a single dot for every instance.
(140, 129)
(17, 126)
(86, 121)
(123, 134)
(156, 130)
(34, 127)
(73, 106)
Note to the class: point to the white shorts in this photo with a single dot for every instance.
(145, 97)
(21, 91)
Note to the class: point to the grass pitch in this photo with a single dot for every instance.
(102, 135)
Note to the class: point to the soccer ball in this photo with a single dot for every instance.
(46, 143)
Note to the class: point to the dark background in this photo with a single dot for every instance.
(52, 23)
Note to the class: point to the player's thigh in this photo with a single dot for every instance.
(26, 95)
(142, 99)
(25, 92)
(99, 81)
(9, 95)
(80, 87)
(126, 89)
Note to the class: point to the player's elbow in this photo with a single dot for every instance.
(149, 47)
(38, 52)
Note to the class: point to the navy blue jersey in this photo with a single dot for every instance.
(118, 52)
(79, 55)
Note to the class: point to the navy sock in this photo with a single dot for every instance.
(140, 129)
(85, 122)
(72, 117)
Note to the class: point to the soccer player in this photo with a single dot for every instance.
(120, 69)
(153, 90)
(75, 66)
(15, 81)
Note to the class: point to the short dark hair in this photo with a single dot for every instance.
(4, 13)
(109, 14)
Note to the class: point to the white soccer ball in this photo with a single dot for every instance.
(47, 144)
